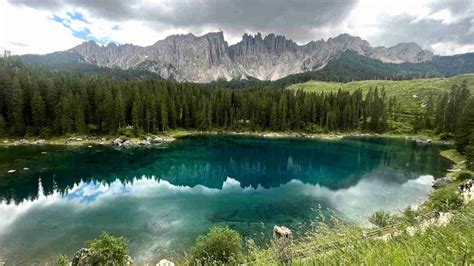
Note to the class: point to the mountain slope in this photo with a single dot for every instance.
(350, 66)
(73, 62)
(207, 58)
(412, 95)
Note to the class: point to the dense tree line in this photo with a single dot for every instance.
(454, 118)
(39, 102)
(34, 101)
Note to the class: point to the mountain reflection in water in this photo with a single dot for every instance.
(161, 198)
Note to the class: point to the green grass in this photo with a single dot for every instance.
(451, 244)
(404, 90)
(453, 155)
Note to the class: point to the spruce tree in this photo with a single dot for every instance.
(38, 111)
(79, 118)
(440, 119)
(470, 152)
(274, 117)
(119, 110)
(15, 109)
(465, 127)
(163, 116)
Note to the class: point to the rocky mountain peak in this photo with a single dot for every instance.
(186, 57)
(409, 52)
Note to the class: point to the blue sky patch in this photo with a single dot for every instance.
(83, 33)
(77, 16)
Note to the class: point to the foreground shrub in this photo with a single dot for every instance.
(380, 218)
(445, 200)
(409, 215)
(221, 245)
(62, 260)
(109, 249)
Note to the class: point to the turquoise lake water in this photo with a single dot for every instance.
(161, 198)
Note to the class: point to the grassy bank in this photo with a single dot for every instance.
(451, 244)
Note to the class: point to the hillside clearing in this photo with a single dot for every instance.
(411, 94)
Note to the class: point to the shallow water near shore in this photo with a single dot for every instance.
(160, 198)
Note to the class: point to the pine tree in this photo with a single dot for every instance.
(282, 113)
(64, 114)
(470, 152)
(108, 110)
(163, 117)
(465, 127)
(119, 110)
(429, 109)
(38, 111)
(15, 109)
(137, 113)
(79, 118)
(440, 119)
(172, 114)
(274, 118)
(417, 123)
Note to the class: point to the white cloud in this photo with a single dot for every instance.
(440, 26)
(450, 48)
(365, 19)
(26, 30)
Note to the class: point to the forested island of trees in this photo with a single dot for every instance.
(38, 102)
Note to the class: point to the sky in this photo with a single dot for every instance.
(445, 27)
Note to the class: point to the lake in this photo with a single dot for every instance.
(160, 198)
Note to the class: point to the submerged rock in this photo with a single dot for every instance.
(165, 262)
(158, 227)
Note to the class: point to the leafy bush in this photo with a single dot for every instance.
(62, 260)
(380, 218)
(221, 245)
(445, 200)
(409, 215)
(464, 176)
(109, 249)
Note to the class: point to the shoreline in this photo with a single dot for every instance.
(450, 154)
(171, 136)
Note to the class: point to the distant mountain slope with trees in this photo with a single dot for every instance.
(351, 66)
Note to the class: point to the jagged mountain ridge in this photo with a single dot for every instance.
(207, 58)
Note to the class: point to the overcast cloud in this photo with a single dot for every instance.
(446, 27)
